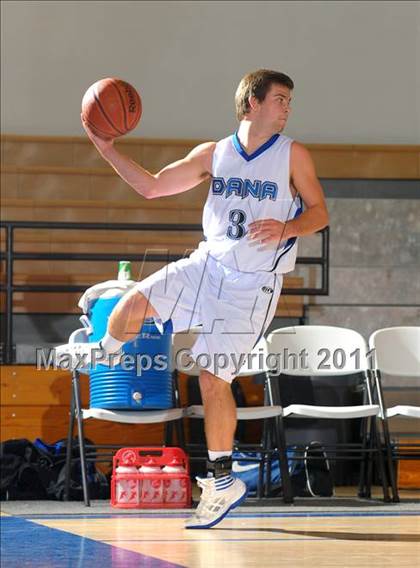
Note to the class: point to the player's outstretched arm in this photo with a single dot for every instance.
(177, 177)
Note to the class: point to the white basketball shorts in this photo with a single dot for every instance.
(233, 308)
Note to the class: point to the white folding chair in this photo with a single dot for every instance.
(397, 353)
(326, 351)
(167, 416)
(273, 434)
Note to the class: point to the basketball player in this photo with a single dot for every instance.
(231, 284)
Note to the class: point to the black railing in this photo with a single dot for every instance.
(10, 256)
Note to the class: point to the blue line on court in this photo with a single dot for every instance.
(24, 543)
(236, 515)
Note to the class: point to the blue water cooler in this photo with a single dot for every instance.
(143, 381)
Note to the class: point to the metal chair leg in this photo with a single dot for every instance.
(369, 472)
(69, 448)
(284, 466)
(167, 433)
(387, 438)
(273, 396)
(262, 466)
(261, 470)
(363, 459)
(82, 451)
(390, 462)
(382, 469)
(178, 426)
(269, 455)
(180, 434)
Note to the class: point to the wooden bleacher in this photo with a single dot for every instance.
(340, 161)
(66, 302)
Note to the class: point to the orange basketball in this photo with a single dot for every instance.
(111, 107)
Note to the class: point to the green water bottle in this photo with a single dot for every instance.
(124, 270)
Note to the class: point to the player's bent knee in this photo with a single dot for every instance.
(134, 303)
(211, 385)
(133, 306)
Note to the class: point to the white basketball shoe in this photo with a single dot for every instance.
(219, 496)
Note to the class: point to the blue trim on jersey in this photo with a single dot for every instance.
(258, 151)
(290, 242)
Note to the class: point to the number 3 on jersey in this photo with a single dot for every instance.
(236, 229)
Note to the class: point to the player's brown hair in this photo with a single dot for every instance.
(257, 84)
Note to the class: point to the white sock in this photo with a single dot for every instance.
(109, 344)
(214, 455)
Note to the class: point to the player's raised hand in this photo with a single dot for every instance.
(268, 231)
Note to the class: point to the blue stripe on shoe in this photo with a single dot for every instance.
(224, 487)
(223, 482)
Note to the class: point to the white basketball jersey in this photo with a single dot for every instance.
(246, 188)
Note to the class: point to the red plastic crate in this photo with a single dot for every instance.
(135, 490)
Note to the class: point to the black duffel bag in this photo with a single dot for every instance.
(314, 479)
(37, 471)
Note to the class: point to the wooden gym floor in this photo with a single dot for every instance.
(343, 532)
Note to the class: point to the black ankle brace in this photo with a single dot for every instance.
(220, 467)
